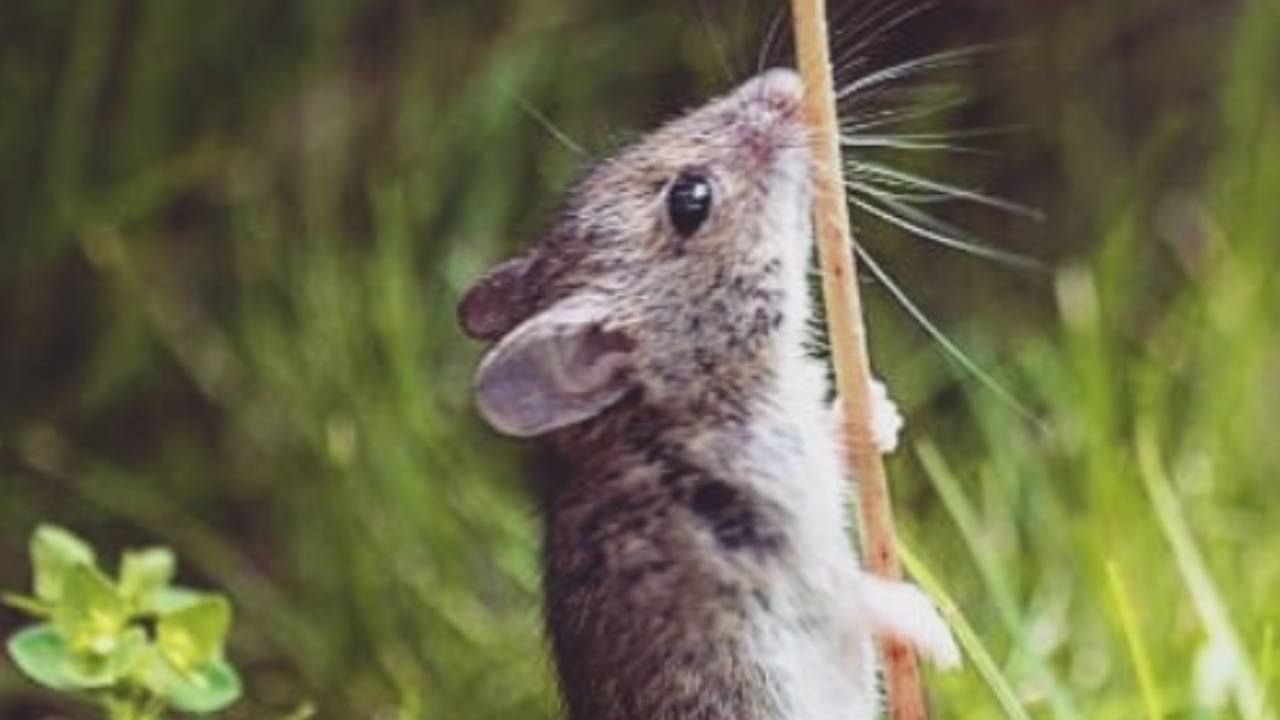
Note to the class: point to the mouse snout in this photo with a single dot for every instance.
(780, 89)
(767, 119)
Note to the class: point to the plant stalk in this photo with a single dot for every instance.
(847, 333)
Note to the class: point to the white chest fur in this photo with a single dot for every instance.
(818, 654)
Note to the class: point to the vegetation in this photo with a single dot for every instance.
(232, 235)
(135, 645)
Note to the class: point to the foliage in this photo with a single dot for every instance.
(135, 645)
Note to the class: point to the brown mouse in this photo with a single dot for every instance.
(698, 563)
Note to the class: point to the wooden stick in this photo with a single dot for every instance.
(848, 336)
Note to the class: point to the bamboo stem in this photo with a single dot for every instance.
(848, 336)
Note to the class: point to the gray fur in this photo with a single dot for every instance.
(697, 562)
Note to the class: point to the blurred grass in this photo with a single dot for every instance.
(232, 235)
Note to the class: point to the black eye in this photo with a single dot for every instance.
(689, 202)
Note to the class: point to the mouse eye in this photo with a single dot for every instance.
(689, 202)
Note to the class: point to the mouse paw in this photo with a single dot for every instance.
(886, 421)
(902, 611)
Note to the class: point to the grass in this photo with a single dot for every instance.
(232, 234)
(1151, 700)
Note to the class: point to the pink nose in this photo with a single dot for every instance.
(768, 107)
(781, 89)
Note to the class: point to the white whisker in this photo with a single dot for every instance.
(907, 142)
(881, 30)
(875, 170)
(924, 226)
(715, 39)
(908, 68)
(952, 349)
(873, 119)
(771, 36)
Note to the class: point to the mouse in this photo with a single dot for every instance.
(697, 554)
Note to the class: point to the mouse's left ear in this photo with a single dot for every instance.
(560, 367)
(496, 302)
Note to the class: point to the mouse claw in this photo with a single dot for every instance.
(886, 420)
(902, 611)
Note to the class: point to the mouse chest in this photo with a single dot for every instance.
(791, 459)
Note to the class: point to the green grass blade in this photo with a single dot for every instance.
(1151, 699)
(1207, 599)
(973, 646)
(994, 577)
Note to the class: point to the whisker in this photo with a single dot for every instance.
(860, 20)
(915, 66)
(908, 142)
(853, 25)
(951, 348)
(715, 39)
(873, 105)
(866, 168)
(851, 66)
(873, 119)
(918, 198)
(880, 31)
(853, 131)
(926, 227)
(771, 37)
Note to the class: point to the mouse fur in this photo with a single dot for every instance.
(697, 554)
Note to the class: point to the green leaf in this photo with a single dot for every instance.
(194, 635)
(171, 599)
(143, 573)
(41, 653)
(29, 605)
(92, 615)
(44, 655)
(205, 688)
(54, 551)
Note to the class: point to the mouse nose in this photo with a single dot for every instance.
(780, 88)
(766, 115)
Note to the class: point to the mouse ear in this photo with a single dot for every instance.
(562, 366)
(496, 302)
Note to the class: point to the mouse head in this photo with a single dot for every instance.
(676, 267)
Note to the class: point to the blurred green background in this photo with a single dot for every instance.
(232, 235)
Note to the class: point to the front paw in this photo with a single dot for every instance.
(886, 421)
(902, 611)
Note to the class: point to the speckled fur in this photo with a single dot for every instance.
(698, 564)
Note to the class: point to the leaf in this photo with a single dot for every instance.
(92, 615)
(171, 599)
(205, 688)
(41, 653)
(44, 655)
(194, 635)
(29, 605)
(54, 551)
(143, 573)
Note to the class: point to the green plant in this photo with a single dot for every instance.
(136, 645)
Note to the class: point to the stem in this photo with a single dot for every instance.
(848, 337)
